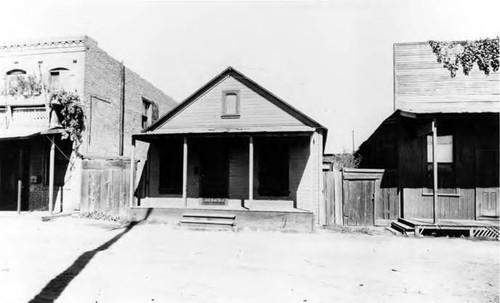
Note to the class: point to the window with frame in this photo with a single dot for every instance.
(445, 163)
(59, 79)
(230, 104)
(147, 108)
(12, 80)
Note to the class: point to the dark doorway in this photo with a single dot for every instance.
(214, 177)
(273, 168)
(13, 164)
(171, 154)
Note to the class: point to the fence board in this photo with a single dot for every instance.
(105, 187)
(356, 197)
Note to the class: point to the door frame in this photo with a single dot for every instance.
(221, 146)
(374, 175)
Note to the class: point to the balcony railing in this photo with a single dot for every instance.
(35, 116)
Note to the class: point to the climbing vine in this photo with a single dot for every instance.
(68, 107)
(454, 54)
(26, 86)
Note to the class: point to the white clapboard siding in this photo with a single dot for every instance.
(206, 111)
(423, 85)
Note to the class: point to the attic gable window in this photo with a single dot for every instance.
(230, 105)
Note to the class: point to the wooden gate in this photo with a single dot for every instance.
(105, 187)
(357, 197)
(366, 201)
(332, 194)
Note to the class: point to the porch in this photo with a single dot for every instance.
(238, 172)
(471, 228)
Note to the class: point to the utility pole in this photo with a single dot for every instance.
(352, 141)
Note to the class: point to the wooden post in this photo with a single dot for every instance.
(250, 169)
(19, 181)
(19, 189)
(310, 168)
(184, 171)
(434, 172)
(51, 173)
(132, 174)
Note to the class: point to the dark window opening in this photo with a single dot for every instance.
(171, 156)
(58, 79)
(273, 169)
(150, 113)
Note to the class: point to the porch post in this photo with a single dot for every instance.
(19, 180)
(51, 173)
(184, 171)
(250, 169)
(434, 171)
(132, 174)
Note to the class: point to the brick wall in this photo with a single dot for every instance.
(103, 95)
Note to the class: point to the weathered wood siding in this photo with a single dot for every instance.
(255, 111)
(423, 85)
(366, 200)
(418, 205)
(105, 187)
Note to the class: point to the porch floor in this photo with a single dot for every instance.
(296, 220)
(473, 228)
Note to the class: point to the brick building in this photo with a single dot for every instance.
(33, 157)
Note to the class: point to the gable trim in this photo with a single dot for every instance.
(230, 71)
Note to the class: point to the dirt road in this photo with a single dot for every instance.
(76, 260)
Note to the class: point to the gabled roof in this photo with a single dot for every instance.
(230, 71)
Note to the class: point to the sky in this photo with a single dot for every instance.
(330, 59)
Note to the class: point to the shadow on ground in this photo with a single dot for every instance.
(56, 286)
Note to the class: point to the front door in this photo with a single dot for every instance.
(487, 183)
(214, 178)
(487, 203)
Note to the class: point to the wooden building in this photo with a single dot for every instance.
(456, 119)
(233, 147)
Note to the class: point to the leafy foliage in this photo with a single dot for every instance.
(26, 86)
(68, 106)
(454, 54)
(344, 160)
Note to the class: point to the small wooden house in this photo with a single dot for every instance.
(455, 119)
(233, 147)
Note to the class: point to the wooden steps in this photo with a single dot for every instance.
(208, 220)
(447, 227)
(404, 227)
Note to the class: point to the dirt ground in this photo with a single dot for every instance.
(80, 260)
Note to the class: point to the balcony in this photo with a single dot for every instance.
(22, 121)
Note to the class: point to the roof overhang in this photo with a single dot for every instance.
(25, 133)
(207, 132)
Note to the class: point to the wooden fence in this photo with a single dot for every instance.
(356, 197)
(105, 187)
